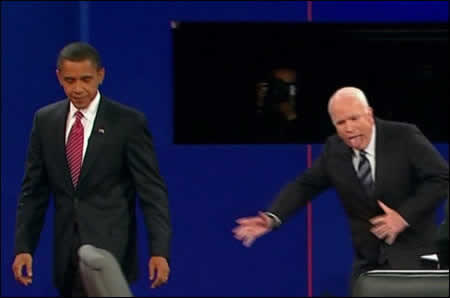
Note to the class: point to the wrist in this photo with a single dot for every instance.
(275, 220)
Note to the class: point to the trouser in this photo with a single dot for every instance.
(73, 286)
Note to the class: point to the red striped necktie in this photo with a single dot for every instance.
(74, 148)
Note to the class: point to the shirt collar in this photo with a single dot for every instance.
(370, 149)
(90, 111)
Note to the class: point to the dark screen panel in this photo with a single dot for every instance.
(219, 68)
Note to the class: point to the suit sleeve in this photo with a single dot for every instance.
(430, 174)
(152, 191)
(304, 188)
(34, 196)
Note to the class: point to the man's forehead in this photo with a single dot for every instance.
(337, 117)
(81, 75)
(82, 64)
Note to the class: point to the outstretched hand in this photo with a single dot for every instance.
(251, 228)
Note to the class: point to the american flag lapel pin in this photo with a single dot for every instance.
(101, 131)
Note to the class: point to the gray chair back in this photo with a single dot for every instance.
(402, 283)
(101, 274)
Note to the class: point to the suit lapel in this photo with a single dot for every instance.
(60, 156)
(95, 140)
(381, 159)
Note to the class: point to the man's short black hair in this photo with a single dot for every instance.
(79, 51)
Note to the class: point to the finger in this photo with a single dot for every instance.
(382, 235)
(29, 269)
(240, 229)
(241, 220)
(158, 281)
(151, 270)
(380, 229)
(26, 280)
(245, 219)
(236, 230)
(262, 214)
(17, 268)
(390, 239)
(250, 221)
(155, 283)
(238, 236)
(385, 208)
(241, 236)
(240, 233)
(393, 237)
(378, 220)
(378, 235)
(266, 219)
(244, 232)
(248, 241)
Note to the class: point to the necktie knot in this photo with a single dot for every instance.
(78, 115)
(362, 158)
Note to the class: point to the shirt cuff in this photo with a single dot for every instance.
(276, 221)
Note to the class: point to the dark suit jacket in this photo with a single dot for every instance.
(411, 177)
(119, 163)
(442, 240)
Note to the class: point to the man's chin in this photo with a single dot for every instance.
(79, 104)
(354, 146)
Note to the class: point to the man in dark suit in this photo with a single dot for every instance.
(94, 156)
(388, 176)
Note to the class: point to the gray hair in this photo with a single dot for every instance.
(352, 92)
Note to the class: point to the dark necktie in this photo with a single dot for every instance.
(365, 173)
(74, 148)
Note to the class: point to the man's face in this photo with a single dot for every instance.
(353, 121)
(80, 80)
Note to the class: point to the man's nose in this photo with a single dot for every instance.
(348, 127)
(77, 87)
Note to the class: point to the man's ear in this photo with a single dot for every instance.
(58, 75)
(101, 74)
(370, 111)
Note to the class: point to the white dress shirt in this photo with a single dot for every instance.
(88, 120)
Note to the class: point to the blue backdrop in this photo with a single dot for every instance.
(209, 185)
